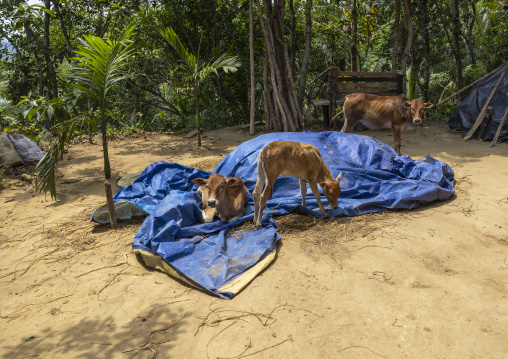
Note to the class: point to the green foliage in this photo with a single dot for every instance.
(2, 174)
(195, 73)
(100, 67)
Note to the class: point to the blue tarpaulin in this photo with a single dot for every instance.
(222, 260)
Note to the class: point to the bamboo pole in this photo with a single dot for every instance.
(484, 109)
(494, 141)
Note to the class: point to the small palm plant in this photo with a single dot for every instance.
(197, 72)
(99, 66)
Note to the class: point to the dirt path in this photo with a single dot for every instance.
(428, 283)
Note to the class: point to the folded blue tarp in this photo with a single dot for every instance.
(222, 260)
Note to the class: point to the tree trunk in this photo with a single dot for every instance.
(426, 47)
(456, 46)
(271, 124)
(409, 42)
(47, 57)
(469, 37)
(31, 36)
(306, 56)
(284, 93)
(396, 36)
(252, 70)
(292, 35)
(354, 34)
(62, 26)
(107, 167)
(198, 124)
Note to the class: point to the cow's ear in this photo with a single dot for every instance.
(232, 181)
(199, 181)
(428, 105)
(407, 104)
(322, 184)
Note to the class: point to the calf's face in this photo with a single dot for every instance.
(331, 189)
(216, 187)
(417, 108)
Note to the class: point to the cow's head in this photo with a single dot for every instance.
(417, 107)
(217, 185)
(331, 189)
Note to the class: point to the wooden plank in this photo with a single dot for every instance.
(367, 79)
(485, 123)
(369, 74)
(380, 92)
(482, 113)
(377, 85)
(322, 102)
(494, 141)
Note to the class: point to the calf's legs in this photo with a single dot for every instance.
(315, 191)
(397, 139)
(303, 189)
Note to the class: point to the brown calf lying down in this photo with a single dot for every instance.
(293, 159)
(374, 112)
(222, 197)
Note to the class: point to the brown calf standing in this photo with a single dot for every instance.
(395, 112)
(224, 197)
(293, 159)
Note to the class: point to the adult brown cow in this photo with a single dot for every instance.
(222, 197)
(395, 112)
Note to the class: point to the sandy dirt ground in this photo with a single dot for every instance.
(426, 283)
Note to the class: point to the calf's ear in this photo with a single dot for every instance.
(199, 181)
(339, 177)
(428, 105)
(232, 181)
(407, 103)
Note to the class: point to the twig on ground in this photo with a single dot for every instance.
(259, 351)
(28, 305)
(360, 346)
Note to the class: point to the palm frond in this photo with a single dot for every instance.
(172, 39)
(45, 168)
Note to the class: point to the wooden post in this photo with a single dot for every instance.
(494, 141)
(400, 84)
(485, 124)
(484, 109)
(332, 78)
(111, 205)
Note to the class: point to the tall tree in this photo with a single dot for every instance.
(306, 56)
(409, 41)
(252, 70)
(456, 47)
(283, 87)
(46, 50)
(197, 72)
(353, 13)
(426, 48)
(396, 36)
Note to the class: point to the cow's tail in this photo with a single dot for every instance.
(344, 109)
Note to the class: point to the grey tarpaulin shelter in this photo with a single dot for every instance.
(468, 110)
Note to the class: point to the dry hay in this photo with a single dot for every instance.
(208, 164)
(70, 237)
(344, 229)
